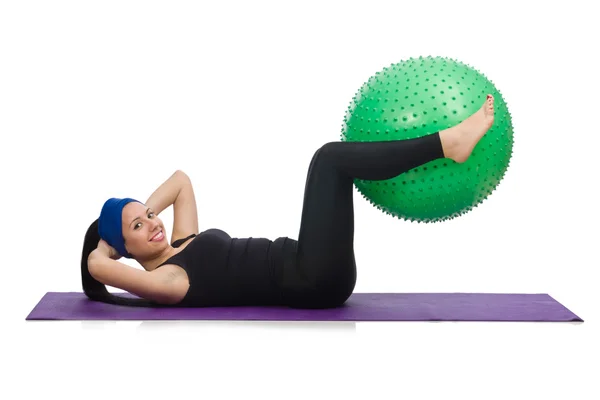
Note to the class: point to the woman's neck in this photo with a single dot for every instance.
(154, 262)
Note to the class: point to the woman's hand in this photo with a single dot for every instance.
(108, 250)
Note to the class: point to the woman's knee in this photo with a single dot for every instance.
(328, 149)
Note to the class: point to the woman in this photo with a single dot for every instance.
(210, 268)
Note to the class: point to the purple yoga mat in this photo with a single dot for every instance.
(359, 307)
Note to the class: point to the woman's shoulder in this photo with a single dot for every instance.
(177, 243)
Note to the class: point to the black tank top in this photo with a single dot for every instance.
(226, 271)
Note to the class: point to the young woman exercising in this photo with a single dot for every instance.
(209, 268)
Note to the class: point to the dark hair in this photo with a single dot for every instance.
(96, 290)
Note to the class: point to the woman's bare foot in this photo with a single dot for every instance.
(459, 141)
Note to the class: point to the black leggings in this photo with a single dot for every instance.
(324, 270)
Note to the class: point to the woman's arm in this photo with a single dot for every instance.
(104, 250)
(167, 192)
(104, 268)
(177, 191)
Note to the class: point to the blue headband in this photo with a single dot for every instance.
(110, 224)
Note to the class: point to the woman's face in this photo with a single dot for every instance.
(140, 225)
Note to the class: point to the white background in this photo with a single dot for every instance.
(108, 98)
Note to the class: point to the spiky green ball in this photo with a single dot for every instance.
(420, 96)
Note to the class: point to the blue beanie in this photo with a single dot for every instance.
(110, 224)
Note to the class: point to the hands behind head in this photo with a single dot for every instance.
(108, 250)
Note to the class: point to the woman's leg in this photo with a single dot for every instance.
(325, 255)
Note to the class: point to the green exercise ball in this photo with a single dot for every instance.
(420, 96)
